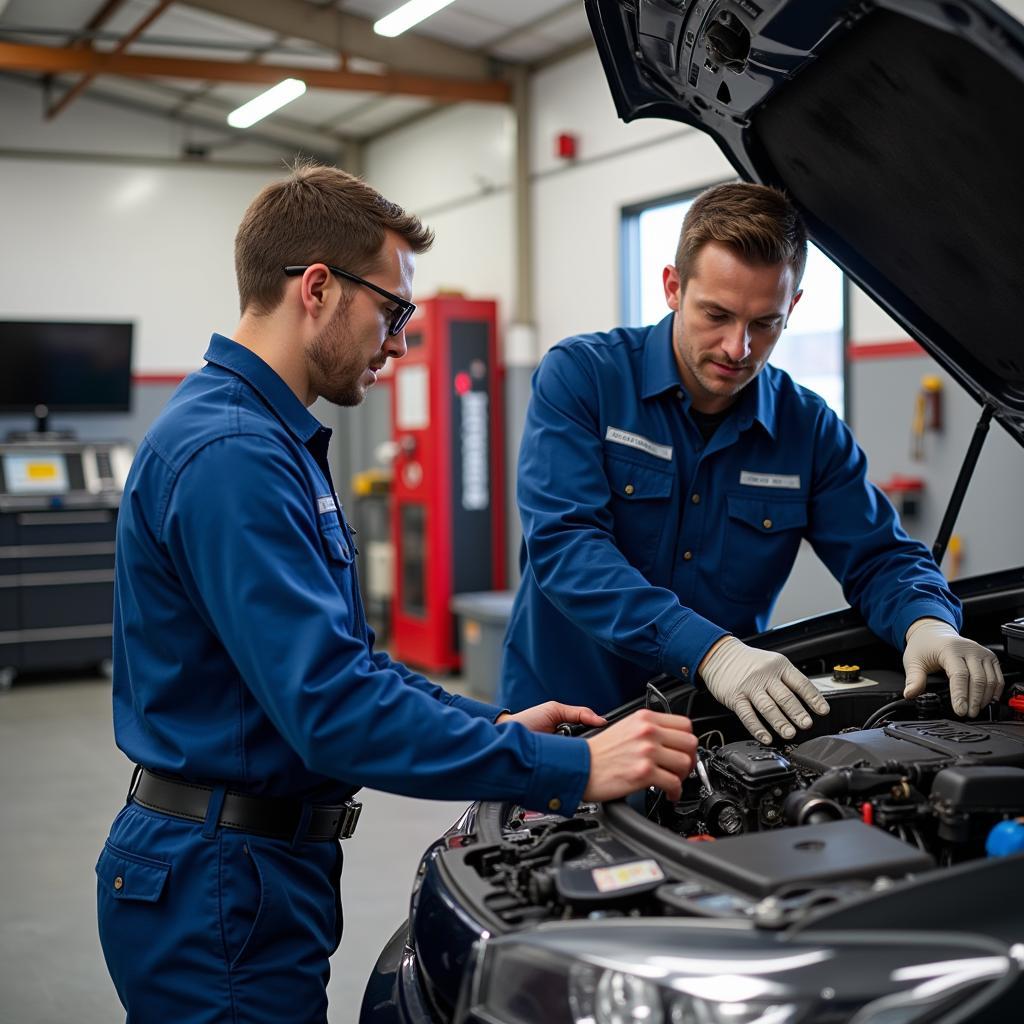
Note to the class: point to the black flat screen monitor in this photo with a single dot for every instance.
(68, 367)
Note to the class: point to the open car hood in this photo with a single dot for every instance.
(894, 125)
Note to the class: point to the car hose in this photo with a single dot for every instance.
(903, 702)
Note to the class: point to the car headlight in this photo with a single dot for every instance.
(687, 972)
(616, 997)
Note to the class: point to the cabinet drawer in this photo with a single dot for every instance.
(8, 612)
(65, 526)
(68, 558)
(88, 602)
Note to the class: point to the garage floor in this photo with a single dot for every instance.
(61, 782)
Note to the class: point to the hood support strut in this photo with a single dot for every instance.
(956, 499)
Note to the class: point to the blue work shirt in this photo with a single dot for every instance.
(642, 544)
(241, 649)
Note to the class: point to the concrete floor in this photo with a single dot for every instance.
(61, 782)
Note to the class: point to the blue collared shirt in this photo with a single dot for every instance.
(241, 649)
(642, 544)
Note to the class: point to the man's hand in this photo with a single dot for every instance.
(548, 716)
(975, 679)
(648, 748)
(744, 679)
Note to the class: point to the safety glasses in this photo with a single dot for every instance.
(403, 310)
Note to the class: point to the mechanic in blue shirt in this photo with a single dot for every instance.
(246, 683)
(667, 475)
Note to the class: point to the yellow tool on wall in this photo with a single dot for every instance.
(927, 414)
(956, 556)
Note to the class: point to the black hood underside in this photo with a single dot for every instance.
(895, 127)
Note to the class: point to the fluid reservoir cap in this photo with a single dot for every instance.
(846, 673)
(1006, 839)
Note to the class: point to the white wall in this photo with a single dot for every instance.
(145, 239)
(454, 170)
(151, 244)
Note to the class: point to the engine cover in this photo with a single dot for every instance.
(926, 744)
(764, 862)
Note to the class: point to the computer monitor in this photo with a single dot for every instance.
(73, 367)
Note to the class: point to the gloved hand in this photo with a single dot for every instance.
(975, 679)
(744, 678)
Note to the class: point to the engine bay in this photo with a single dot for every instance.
(886, 792)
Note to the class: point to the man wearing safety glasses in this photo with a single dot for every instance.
(246, 683)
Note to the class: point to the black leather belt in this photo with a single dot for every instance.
(263, 816)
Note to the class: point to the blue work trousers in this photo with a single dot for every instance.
(211, 926)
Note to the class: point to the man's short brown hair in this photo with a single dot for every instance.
(757, 222)
(316, 215)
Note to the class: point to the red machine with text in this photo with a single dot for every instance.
(448, 502)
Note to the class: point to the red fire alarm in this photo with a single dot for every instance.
(565, 146)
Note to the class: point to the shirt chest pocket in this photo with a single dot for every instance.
(641, 505)
(334, 540)
(761, 542)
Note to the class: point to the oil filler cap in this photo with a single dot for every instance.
(846, 673)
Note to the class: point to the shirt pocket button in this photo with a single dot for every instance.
(629, 488)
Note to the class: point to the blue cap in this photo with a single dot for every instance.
(1006, 838)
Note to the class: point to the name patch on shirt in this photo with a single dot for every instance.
(791, 482)
(326, 504)
(619, 436)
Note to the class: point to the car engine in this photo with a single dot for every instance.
(940, 785)
(773, 834)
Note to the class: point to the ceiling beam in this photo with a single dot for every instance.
(94, 36)
(354, 36)
(271, 133)
(101, 17)
(216, 109)
(122, 44)
(56, 60)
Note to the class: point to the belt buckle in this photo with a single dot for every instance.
(348, 819)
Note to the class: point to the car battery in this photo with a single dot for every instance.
(1014, 633)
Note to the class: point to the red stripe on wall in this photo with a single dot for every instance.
(884, 350)
(158, 378)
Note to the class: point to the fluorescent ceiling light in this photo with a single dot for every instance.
(266, 103)
(409, 14)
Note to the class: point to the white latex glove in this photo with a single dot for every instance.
(975, 679)
(744, 679)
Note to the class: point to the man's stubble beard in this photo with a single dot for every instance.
(336, 363)
(696, 367)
